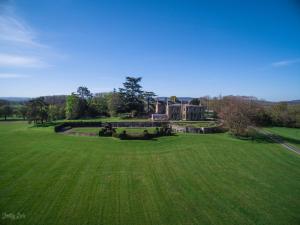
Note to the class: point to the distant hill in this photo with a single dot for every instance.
(61, 99)
(294, 102)
(15, 99)
(264, 102)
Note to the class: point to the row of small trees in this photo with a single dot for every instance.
(7, 110)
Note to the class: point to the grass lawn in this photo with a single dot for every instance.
(291, 135)
(87, 129)
(196, 123)
(186, 179)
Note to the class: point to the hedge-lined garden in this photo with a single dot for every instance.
(139, 134)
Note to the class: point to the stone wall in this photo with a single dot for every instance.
(67, 125)
(198, 130)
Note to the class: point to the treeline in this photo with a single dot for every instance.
(240, 113)
(129, 101)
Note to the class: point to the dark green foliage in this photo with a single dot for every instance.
(107, 130)
(56, 112)
(132, 95)
(37, 110)
(195, 101)
(6, 111)
(75, 106)
(98, 105)
(115, 104)
(84, 93)
(22, 111)
(126, 116)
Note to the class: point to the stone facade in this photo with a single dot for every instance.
(192, 112)
(180, 111)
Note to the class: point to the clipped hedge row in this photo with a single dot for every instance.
(145, 135)
(61, 127)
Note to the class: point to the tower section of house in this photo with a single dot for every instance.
(174, 111)
(160, 107)
(192, 112)
(169, 110)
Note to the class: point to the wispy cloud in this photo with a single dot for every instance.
(12, 75)
(14, 30)
(285, 62)
(9, 60)
(19, 44)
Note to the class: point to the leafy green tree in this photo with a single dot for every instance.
(132, 95)
(6, 111)
(114, 103)
(22, 111)
(99, 105)
(74, 107)
(56, 112)
(195, 101)
(84, 92)
(149, 97)
(37, 110)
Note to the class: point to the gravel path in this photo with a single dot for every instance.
(279, 140)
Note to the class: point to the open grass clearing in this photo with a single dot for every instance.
(183, 179)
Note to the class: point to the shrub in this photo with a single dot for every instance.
(59, 128)
(123, 135)
(107, 131)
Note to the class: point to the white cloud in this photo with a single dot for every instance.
(11, 75)
(9, 60)
(285, 62)
(19, 45)
(14, 30)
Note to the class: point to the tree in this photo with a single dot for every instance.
(237, 114)
(195, 101)
(84, 93)
(37, 110)
(22, 111)
(149, 97)
(132, 95)
(6, 111)
(115, 104)
(280, 115)
(98, 105)
(56, 112)
(174, 99)
(75, 107)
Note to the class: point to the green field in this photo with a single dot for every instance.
(291, 135)
(196, 123)
(185, 179)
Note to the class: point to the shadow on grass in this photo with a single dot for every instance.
(46, 124)
(287, 139)
(11, 119)
(258, 138)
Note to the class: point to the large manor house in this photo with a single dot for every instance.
(169, 110)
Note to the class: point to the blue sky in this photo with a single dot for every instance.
(183, 48)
